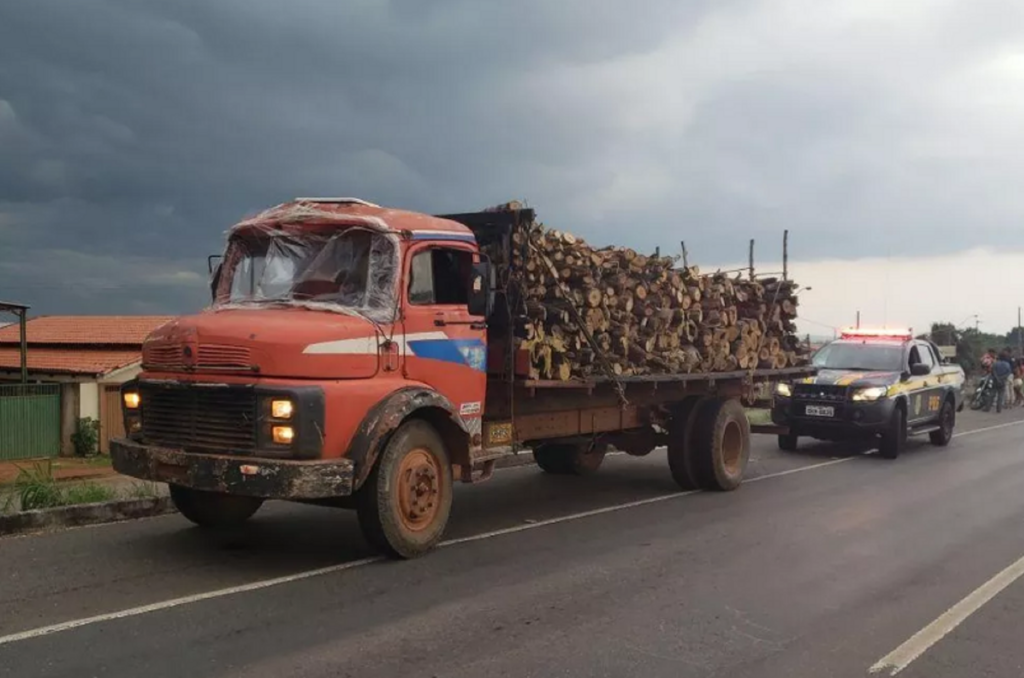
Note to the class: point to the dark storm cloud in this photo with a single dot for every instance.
(132, 133)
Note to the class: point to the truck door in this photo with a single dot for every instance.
(445, 347)
(926, 394)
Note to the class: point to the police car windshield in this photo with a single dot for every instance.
(876, 357)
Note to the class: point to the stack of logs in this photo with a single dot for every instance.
(612, 311)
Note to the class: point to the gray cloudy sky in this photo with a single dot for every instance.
(133, 132)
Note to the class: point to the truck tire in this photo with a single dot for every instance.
(404, 504)
(569, 459)
(895, 438)
(212, 509)
(789, 442)
(680, 443)
(947, 422)
(721, 445)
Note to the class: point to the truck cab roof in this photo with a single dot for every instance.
(356, 212)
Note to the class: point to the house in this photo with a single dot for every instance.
(88, 357)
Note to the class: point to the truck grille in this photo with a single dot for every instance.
(820, 392)
(196, 418)
(210, 357)
(217, 357)
(166, 356)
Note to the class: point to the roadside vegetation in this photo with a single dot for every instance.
(36, 488)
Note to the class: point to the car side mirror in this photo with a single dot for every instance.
(480, 299)
(920, 370)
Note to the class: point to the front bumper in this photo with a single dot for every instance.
(248, 476)
(852, 419)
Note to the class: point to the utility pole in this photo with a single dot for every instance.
(1020, 338)
(858, 320)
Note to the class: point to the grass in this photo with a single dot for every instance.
(141, 490)
(96, 461)
(35, 488)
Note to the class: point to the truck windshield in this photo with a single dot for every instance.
(352, 269)
(864, 356)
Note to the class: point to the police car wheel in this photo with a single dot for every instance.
(895, 437)
(788, 442)
(947, 421)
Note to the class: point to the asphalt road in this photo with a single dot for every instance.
(829, 563)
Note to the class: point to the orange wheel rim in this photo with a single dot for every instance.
(732, 448)
(419, 489)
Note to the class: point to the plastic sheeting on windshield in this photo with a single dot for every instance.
(345, 268)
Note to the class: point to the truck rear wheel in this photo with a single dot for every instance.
(404, 504)
(212, 509)
(680, 443)
(569, 458)
(721, 445)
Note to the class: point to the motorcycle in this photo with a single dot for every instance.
(985, 395)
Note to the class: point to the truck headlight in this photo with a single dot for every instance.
(132, 400)
(870, 393)
(783, 389)
(281, 409)
(283, 435)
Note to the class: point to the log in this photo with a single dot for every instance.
(583, 311)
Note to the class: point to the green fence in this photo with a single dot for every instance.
(29, 421)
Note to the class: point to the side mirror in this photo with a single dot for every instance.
(920, 370)
(480, 297)
(209, 262)
(215, 281)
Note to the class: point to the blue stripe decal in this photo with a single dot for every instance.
(458, 237)
(466, 352)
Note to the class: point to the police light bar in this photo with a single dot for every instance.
(859, 333)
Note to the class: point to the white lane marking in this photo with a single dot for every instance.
(184, 600)
(267, 583)
(918, 644)
(987, 428)
(791, 471)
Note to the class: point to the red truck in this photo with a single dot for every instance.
(363, 357)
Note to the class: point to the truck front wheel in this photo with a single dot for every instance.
(721, 445)
(404, 505)
(569, 458)
(212, 509)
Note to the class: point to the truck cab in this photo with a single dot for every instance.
(872, 383)
(339, 332)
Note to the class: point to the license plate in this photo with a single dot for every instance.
(820, 411)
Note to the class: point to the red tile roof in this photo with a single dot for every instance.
(67, 360)
(86, 330)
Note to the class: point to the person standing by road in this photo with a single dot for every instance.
(987, 360)
(1018, 382)
(1002, 373)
